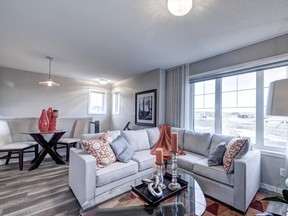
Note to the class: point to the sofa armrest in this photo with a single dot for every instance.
(246, 179)
(82, 175)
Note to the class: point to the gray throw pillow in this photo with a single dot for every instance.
(122, 150)
(216, 155)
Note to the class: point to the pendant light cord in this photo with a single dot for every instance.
(50, 59)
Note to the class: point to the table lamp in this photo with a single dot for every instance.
(277, 105)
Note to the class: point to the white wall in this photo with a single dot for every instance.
(22, 96)
(151, 80)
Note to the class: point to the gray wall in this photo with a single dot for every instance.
(151, 80)
(269, 50)
(258, 51)
(22, 96)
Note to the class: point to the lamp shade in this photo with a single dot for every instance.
(277, 101)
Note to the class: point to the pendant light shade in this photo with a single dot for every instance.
(179, 7)
(49, 82)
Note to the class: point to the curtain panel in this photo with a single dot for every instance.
(177, 96)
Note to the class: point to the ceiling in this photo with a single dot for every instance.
(117, 39)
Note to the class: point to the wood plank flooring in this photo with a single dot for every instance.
(43, 191)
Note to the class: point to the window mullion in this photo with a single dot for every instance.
(192, 105)
(260, 108)
(218, 106)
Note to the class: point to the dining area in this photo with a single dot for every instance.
(22, 139)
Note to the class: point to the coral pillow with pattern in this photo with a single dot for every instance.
(236, 148)
(100, 148)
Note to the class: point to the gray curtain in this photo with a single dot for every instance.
(177, 96)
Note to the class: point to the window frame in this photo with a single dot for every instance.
(259, 136)
(104, 102)
(114, 93)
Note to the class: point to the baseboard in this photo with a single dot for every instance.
(276, 189)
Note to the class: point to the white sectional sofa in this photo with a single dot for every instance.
(92, 185)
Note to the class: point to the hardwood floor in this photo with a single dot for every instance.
(45, 191)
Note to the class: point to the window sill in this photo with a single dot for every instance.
(270, 153)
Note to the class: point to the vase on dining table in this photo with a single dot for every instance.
(43, 123)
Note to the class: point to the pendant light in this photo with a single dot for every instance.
(49, 82)
(179, 7)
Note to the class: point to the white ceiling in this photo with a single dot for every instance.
(116, 39)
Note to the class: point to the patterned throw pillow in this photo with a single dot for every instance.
(233, 151)
(100, 149)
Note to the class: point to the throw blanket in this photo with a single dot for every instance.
(164, 142)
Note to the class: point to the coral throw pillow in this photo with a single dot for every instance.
(100, 148)
(232, 151)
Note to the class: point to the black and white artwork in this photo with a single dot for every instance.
(145, 108)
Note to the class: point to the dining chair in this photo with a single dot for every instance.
(12, 148)
(81, 127)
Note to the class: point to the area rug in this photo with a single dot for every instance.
(215, 207)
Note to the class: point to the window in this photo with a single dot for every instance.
(235, 105)
(97, 102)
(275, 128)
(239, 105)
(116, 102)
(204, 102)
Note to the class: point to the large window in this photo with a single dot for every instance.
(239, 105)
(97, 102)
(275, 127)
(235, 105)
(204, 102)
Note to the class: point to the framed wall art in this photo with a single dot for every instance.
(145, 108)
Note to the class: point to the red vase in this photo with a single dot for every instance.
(43, 123)
(50, 118)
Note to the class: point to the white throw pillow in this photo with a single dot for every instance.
(153, 135)
(138, 139)
(197, 142)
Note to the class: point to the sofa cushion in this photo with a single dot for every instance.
(197, 142)
(138, 139)
(115, 171)
(216, 173)
(216, 155)
(187, 161)
(113, 134)
(236, 148)
(144, 159)
(122, 150)
(181, 132)
(100, 149)
(219, 138)
(153, 135)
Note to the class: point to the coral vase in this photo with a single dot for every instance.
(43, 123)
(50, 118)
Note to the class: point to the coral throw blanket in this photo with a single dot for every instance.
(164, 142)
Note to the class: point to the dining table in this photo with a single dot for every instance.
(47, 146)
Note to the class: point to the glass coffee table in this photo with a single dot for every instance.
(190, 201)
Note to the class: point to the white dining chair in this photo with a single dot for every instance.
(81, 127)
(12, 148)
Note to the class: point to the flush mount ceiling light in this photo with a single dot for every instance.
(103, 81)
(179, 7)
(49, 82)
